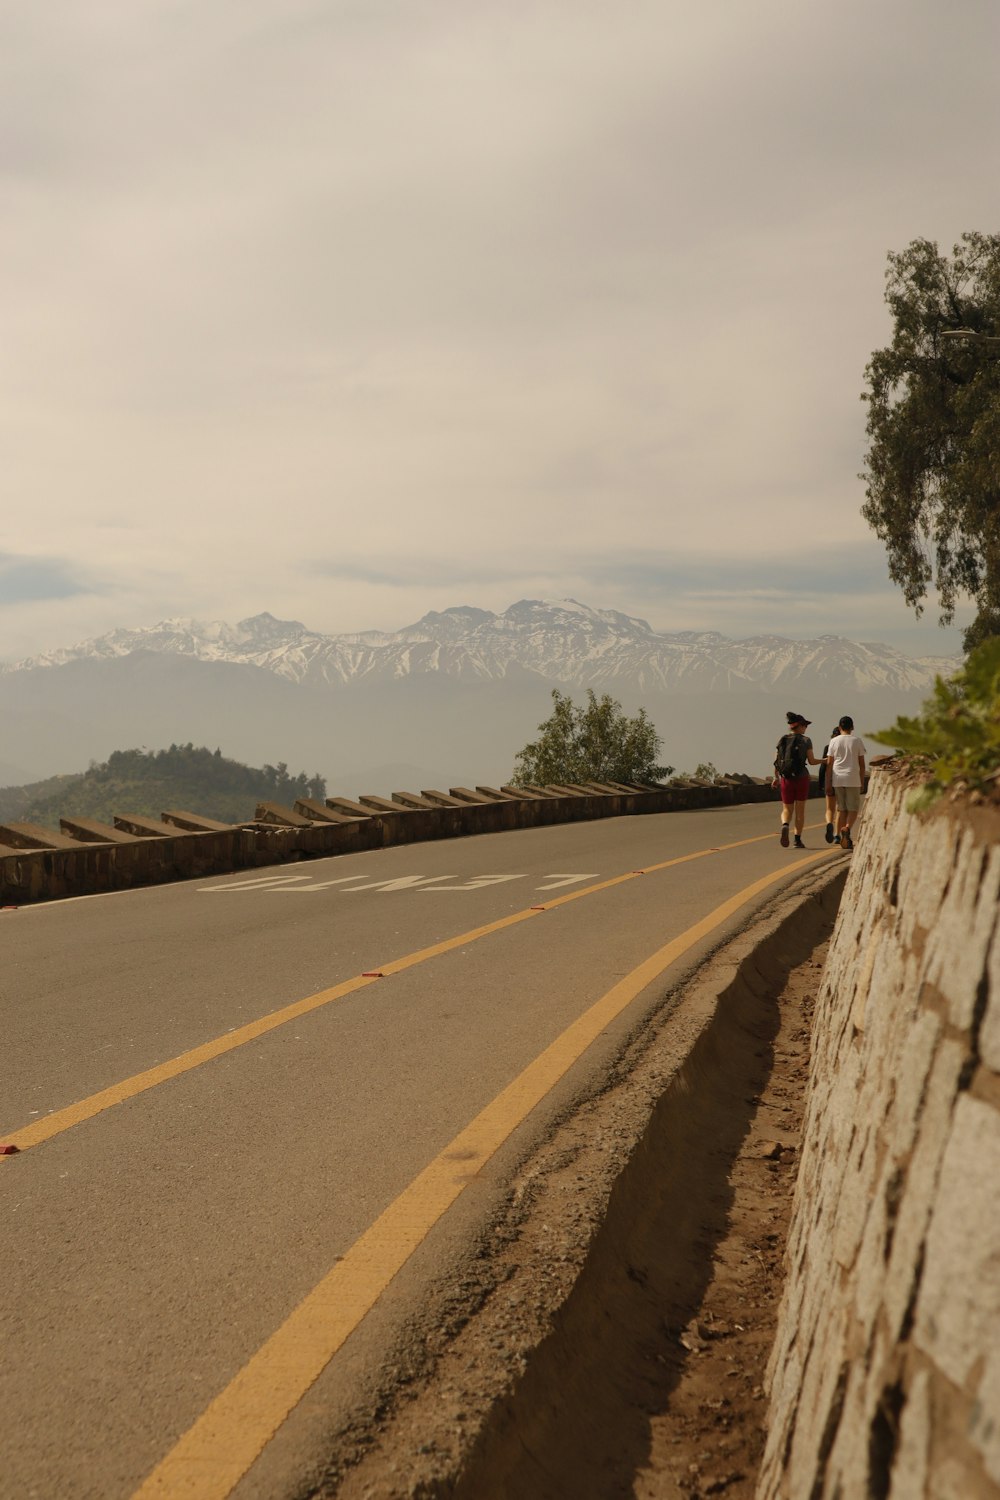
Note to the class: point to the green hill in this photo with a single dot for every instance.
(150, 782)
(15, 800)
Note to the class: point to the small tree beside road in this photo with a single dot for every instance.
(598, 742)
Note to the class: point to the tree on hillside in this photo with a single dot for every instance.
(596, 743)
(933, 462)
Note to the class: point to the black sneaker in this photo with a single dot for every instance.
(784, 835)
(829, 833)
(798, 842)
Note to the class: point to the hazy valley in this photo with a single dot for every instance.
(450, 699)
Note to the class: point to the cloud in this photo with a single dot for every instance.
(838, 590)
(393, 571)
(856, 568)
(482, 301)
(31, 579)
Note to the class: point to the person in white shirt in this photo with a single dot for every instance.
(847, 777)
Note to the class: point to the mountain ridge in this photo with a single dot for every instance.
(560, 641)
(458, 693)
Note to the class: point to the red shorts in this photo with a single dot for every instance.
(795, 789)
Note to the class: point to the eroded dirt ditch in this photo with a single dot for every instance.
(609, 1336)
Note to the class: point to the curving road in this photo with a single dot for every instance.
(242, 1105)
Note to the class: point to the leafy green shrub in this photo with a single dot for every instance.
(957, 736)
(703, 771)
(596, 743)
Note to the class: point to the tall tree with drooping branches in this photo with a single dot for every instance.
(932, 468)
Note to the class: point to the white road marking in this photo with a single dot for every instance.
(260, 883)
(321, 885)
(401, 883)
(298, 885)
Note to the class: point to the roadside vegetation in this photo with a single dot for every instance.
(185, 778)
(595, 742)
(957, 736)
(703, 771)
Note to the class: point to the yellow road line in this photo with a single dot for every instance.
(85, 1109)
(61, 1120)
(214, 1454)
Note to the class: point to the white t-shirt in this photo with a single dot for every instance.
(847, 750)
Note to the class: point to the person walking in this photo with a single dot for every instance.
(826, 786)
(794, 755)
(847, 777)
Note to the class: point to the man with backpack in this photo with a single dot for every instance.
(791, 770)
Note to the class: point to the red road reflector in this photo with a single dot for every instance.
(9, 1150)
(8, 908)
(372, 974)
(536, 908)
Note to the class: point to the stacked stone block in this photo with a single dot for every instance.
(885, 1375)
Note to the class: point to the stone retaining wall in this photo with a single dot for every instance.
(885, 1376)
(99, 857)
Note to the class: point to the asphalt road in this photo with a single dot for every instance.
(156, 1236)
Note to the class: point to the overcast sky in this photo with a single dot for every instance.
(353, 309)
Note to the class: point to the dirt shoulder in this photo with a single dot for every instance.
(710, 1438)
(609, 1335)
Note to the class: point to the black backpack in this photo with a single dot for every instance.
(791, 761)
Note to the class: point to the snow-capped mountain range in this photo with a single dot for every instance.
(562, 642)
(455, 696)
